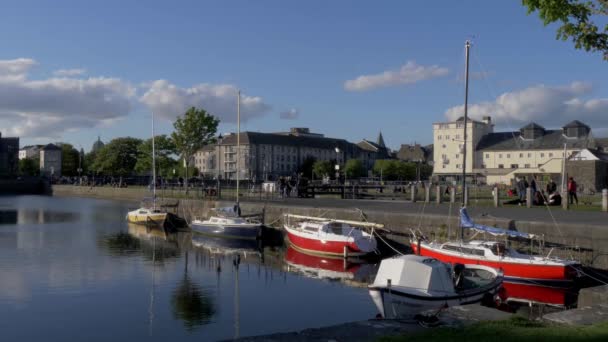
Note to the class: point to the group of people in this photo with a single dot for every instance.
(549, 195)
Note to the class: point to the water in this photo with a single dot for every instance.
(73, 269)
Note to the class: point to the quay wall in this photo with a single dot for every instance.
(590, 240)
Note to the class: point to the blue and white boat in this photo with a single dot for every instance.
(226, 223)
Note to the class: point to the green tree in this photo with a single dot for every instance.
(576, 20)
(117, 158)
(29, 167)
(69, 160)
(322, 168)
(165, 150)
(306, 168)
(195, 129)
(354, 168)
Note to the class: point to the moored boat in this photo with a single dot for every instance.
(517, 267)
(408, 285)
(324, 236)
(227, 224)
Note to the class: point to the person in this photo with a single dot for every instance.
(533, 186)
(521, 190)
(572, 191)
(555, 199)
(551, 187)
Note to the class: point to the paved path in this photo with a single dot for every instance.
(536, 214)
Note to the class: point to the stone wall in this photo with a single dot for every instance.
(590, 174)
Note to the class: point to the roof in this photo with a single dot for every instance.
(380, 140)
(413, 153)
(533, 125)
(286, 140)
(51, 147)
(575, 124)
(552, 139)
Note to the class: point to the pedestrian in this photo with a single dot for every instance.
(572, 191)
(521, 190)
(551, 187)
(533, 186)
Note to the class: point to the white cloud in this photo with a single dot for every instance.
(69, 72)
(407, 74)
(290, 114)
(50, 107)
(16, 66)
(550, 106)
(168, 101)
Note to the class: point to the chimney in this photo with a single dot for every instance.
(487, 120)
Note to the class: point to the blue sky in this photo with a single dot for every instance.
(163, 56)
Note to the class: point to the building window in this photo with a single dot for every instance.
(500, 155)
(542, 155)
(458, 166)
(527, 166)
(487, 156)
(443, 145)
(521, 155)
(539, 165)
(457, 136)
(457, 155)
(514, 166)
(483, 166)
(508, 155)
(447, 137)
(439, 137)
(529, 155)
(501, 166)
(443, 166)
(550, 155)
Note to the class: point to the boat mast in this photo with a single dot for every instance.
(467, 46)
(238, 143)
(153, 167)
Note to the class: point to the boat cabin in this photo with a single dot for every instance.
(328, 227)
(226, 220)
(478, 248)
(418, 273)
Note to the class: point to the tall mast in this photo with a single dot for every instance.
(238, 142)
(153, 167)
(467, 46)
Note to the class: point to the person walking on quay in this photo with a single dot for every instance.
(533, 186)
(572, 191)
(521, 189)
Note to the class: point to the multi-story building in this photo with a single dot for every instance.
(416, 153)
(50, 161)
(499, 157)
(9, 156)
(30, 151)
(269, 155)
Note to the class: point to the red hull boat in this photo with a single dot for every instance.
(328, 237)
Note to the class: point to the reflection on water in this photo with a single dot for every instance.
(94, 271)
(36, 216)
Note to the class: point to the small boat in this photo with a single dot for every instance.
(227, 223)
(152, 215)
(324, 236)
(408, 285)
(517, 267)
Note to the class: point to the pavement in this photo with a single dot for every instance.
(536, 214)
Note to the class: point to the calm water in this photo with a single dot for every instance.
(73, 269)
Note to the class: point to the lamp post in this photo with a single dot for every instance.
(337, 149)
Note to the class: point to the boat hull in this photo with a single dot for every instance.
(514, 272)
(248, 231)
(156, 219)
(323, 247)
(536, 294)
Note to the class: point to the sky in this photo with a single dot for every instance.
(71, 71)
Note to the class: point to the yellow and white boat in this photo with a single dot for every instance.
(147, 216)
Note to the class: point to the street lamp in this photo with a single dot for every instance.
(337, 149)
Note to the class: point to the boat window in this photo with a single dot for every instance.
(335, 228)
(464, 250)
(498, 249)
(310, 229)
(143, 212)
(213, 220)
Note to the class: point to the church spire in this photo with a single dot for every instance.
(380, 140)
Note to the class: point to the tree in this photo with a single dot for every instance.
(29, 167)
(117, 158)
(576, 18)
(322, 168)
(354, 168)
(195, 129)
(69, 160)
(165, 149)
(306, 168)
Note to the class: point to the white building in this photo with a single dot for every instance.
(501, 156)
(30, 151)
(50, 161)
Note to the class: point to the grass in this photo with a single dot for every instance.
(515, 329)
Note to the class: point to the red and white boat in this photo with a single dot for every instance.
(316, 235)
(517, 267)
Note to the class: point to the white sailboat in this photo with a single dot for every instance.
(153, 215)
(227, 222)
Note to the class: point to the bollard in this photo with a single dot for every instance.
(427, 194)
(495, 196)
(565, 203)
(466, 195)
(453, 194)
(529, 197)
(438, 197)
(605, 200)
(413, 193)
